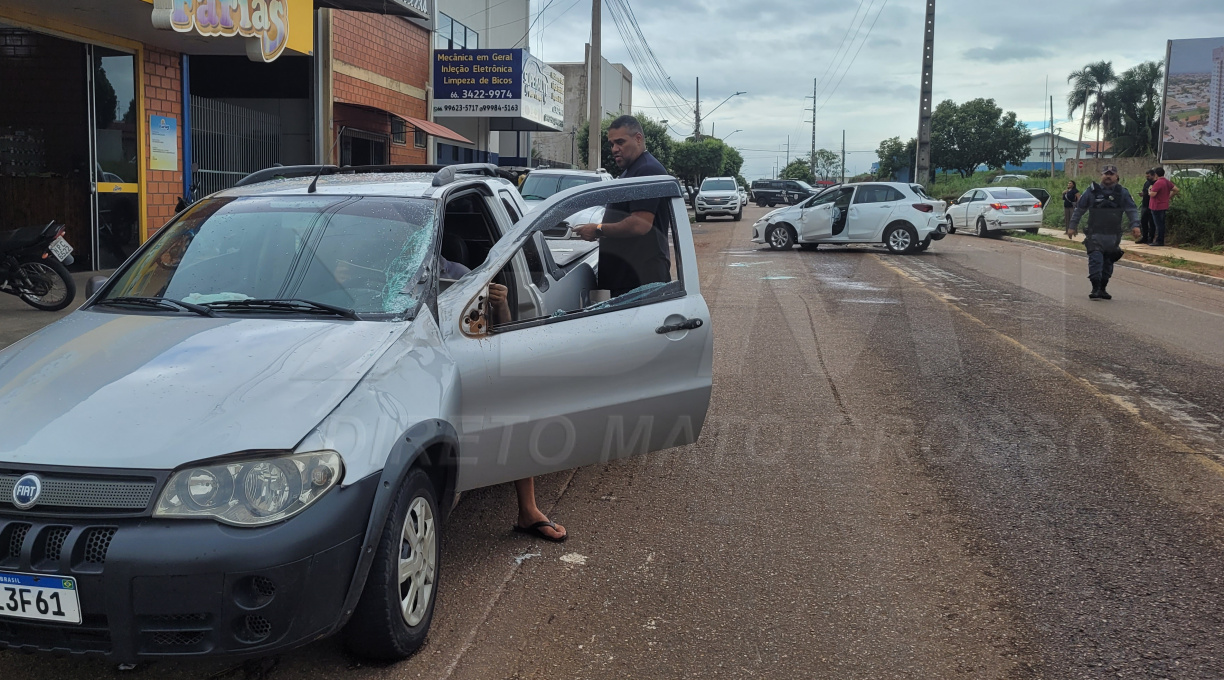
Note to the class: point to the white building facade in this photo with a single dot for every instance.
(560, 149)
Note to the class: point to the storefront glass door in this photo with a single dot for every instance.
(116, 166)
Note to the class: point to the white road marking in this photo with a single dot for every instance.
(574, 559)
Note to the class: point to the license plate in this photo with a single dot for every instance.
(1020, 208)
(39, 597)
(60, 249)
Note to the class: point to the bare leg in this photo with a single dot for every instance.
(528, 513)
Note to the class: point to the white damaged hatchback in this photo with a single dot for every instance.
(251, 434)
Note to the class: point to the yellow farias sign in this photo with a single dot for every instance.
(265, 23)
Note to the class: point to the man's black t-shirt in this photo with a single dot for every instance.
(626, 263)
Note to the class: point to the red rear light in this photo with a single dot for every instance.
(924, 207)
(998, 206)
(1036, 206)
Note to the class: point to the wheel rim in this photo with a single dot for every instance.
(779, 238)
(899, 240)
(417, 561)
(37, 273)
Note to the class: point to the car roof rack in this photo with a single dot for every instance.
(443, 174)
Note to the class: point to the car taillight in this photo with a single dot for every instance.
(924, 207)
(1036, 206)
(998, 206)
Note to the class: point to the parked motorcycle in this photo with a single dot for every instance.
(33, 266)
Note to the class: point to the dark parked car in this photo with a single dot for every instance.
(771, 192)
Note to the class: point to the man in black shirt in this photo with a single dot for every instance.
(1147, 228)
(633, 235)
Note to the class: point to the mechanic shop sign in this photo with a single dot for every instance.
(264, 23)
(499, 84)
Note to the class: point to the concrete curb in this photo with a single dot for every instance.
(1153, 268)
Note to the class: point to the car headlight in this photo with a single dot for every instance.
(250, 492)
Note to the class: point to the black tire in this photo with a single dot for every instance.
(951, 226)
(1032, 230)
(379, 629)
(982, 231)
(700, 217)
(760, 204)
(739, 215)
(900, 238)
(55, 287)
(779, 237)
(809, 246)
(772, 203)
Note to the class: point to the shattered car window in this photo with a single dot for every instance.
(359, 253)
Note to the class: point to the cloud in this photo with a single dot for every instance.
(1006, 52)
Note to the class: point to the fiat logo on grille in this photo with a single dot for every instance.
(26, 491)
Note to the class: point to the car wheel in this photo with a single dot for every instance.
(393, 615)
(809, 246)
(700, 217)
(772, 203)
(779, 237)
(951, 226)
(1032, 230)
(900, 238)
(982, 231)
(739, 215)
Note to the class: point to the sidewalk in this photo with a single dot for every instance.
(1190, 255)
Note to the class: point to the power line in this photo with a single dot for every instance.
(852, 60)
(529, 26)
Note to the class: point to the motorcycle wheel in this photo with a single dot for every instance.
(45, 284)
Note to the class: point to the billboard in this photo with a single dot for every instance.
(499, 84)
(1192, 123)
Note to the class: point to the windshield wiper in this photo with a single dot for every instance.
(528, 197)
(284, 305)
(157, 303)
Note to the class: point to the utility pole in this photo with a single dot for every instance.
(1052, 136)
(923, 160)
(812, 160)
(843, 174)
(595, 138)
(788, 149)
(697, 114)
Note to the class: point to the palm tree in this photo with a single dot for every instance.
(1088, 84)
(1132, 111)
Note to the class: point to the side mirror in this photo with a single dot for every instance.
(94, 284)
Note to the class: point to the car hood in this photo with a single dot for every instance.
(157, 392)
(769, 216)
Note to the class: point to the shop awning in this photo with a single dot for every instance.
(412, 9)
(436, 130)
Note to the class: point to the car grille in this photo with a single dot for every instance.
(717, 201)
(83, 493)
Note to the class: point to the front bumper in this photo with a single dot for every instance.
(153, 588)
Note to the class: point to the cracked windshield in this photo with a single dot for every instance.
(624, 339)
(355, 253)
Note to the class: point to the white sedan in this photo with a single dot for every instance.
(892, 213)
(987, 210)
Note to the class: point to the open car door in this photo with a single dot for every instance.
(588, 382)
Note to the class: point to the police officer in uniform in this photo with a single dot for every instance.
(1106, 203)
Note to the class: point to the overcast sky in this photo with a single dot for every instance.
(773, 49)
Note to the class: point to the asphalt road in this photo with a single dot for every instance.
(942, 465)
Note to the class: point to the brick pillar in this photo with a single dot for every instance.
(163, 96)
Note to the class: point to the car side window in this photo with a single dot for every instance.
(871, 194)
(577, 293)
(508, 204)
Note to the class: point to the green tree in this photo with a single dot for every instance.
(895, 156)
(798, 169)
(693, 161)
(1088, 85)
(658, 142)
(1131, 116)
(827, 163)
(976, 133)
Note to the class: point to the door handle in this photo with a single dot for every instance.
(686, 325)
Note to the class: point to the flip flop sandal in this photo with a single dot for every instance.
(535, 530)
